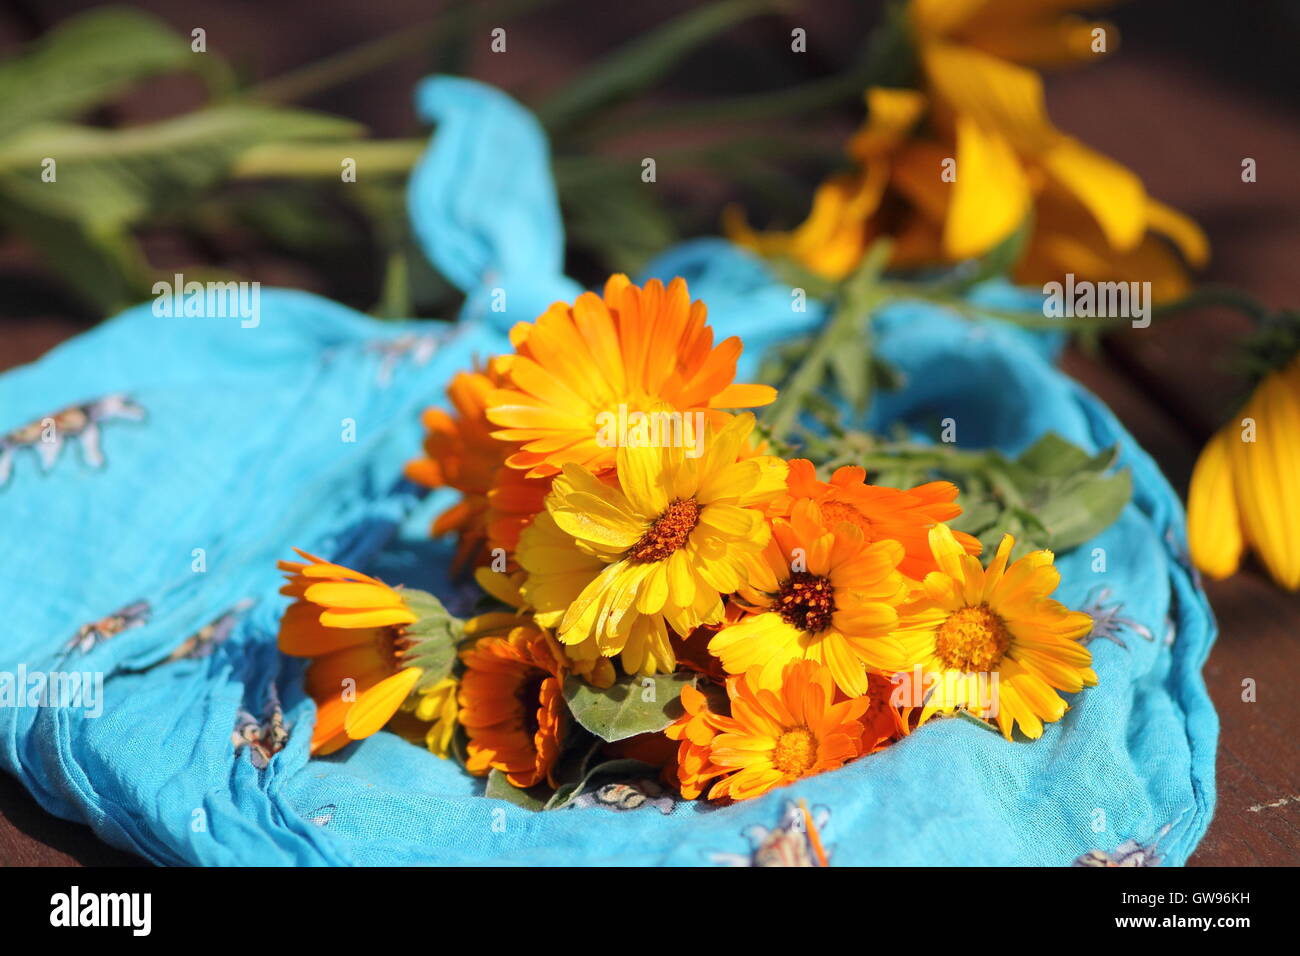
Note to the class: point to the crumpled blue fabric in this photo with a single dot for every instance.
(241, 449)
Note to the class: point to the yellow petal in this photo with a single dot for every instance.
(891, 115)
(344, 594)
(368, 617)
(1181, 230)
(991, 196)
(1113, 194)
(942, 16)
(376, 706)
(1213, 523)
(998, 95)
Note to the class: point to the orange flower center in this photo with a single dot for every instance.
(834, 512)
(795, 752)
(807, 602)
(972, 639)
(668, 533)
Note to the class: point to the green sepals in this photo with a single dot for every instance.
(434, 638)
(1272, 346)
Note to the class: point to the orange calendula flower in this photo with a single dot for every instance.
(695, 730)
(583, 367)
(460, 453)
(820, 591)
(777, 736)
(353, 626)
(992, 641)
(882, 513)
(512, 704)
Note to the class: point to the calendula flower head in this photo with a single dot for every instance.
(819, 591)
(604, 358)
(881, 513)
(353, 628)
(1091, 217)
(992, 641)
(1245, 489)
(512, 703)
(460, 453)
(695, 730)
(776, 736)
(615, 564)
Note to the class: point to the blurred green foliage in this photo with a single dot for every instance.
(249, 159)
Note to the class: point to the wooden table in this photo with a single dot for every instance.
(1185, 131)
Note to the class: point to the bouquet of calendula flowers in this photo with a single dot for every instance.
(661, 587)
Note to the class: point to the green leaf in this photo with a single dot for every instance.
(499, 788)
(109, 178)
(105, 267)
(88, 60)
(1081, 509)
(1054, 457)
(633, 705)
(643, 61)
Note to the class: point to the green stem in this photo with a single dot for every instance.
(322, 160)
(858, 300)
(1214, 295)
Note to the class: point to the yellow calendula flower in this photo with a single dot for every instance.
(992, 641)
(1245, 489)
(981, 118)
(613, 564)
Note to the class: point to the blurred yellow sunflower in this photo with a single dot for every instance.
(820, 591)
(352, 626)
(1245, 489)
(993, 642)
(619, 354)
(954, 168)
(614, 564)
